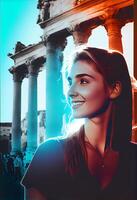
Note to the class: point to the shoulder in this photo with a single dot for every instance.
(49, 146)
(47, 160)
(49, 151)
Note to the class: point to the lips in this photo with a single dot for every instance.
(77, 104)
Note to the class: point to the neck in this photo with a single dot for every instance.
(96, 130)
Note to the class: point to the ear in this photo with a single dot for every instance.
(115, 90)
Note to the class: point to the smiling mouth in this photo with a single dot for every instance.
(77, 104)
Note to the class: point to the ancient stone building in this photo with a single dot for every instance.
(5, 137)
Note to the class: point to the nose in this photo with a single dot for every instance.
(72, 92)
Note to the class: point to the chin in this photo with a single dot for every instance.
(78, 115)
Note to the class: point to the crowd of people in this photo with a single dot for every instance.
(13, 165)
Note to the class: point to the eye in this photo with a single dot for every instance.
(83, 81)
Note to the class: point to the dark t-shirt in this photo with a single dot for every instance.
(48, 174)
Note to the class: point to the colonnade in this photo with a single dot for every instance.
(55, 45)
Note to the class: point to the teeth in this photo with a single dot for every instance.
(77, 103)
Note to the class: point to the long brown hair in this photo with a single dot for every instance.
(113, 67)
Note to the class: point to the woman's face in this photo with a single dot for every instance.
(88, 92)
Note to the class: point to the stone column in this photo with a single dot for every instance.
(33, 69)
(54, 88)
(80, 33)
(18, 76)
(113, 27)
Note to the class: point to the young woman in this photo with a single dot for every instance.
(98, 162)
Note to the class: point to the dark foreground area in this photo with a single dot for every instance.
(10, 188)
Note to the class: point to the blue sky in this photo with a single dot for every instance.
(18, 21)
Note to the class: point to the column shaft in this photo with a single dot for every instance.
(33, 66)
(54, 89)
(16, 120)
(32, 114)
(113, 27)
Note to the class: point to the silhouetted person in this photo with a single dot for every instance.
(10, 166)
(17, 167)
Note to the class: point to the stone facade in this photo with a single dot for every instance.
(5, 129)
(5, 137)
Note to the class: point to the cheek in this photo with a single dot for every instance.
(96, 94)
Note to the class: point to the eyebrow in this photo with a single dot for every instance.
(79, 76)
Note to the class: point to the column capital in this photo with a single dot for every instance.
(34, 65)
(109, 13)
(18, 73)
(55, 44)
(110, 19)
(55, 41)
(80, 33)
